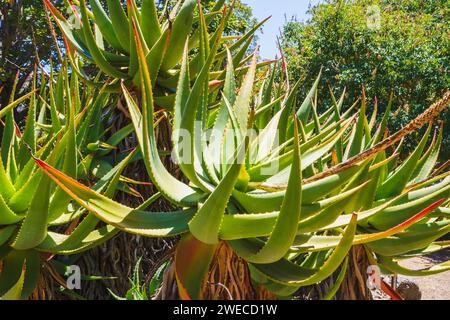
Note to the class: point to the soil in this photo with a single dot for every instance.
(435, 287)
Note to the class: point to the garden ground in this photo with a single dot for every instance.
(435, 287)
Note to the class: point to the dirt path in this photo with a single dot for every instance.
(435, 287)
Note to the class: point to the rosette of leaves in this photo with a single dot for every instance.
(38, 219)
(291, 209)
(104, 36)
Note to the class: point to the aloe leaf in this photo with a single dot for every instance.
(7, 190)
(33, 266)
(242, 104)
(365, 200)
(260, 202)
(57, 243)
(284, 272)
(363, 216)
(15, 292)
(133, 26)
(397, 181)
(119, 23)
(394, 246)
(206, 223)
(337, 105)
(382, 241)
(425, 167)
(170, 187)
(29, 135)
(54, 114)
(7, 215)
(281, 290)
(285, 228)
(8, 144)
(232, 138)
(305, 108)
(173, 189)
(104, 24)
(222, 117)
(6, 109)
(63, 244)
(431, 248)
(356, 141)
(181, 28)
(427, 187)
(192, 260)
(286, 111)
(194, 38)
(97, 55)
(187, 123)
(12, 276)
(238, 58)
(34, 226)
(402, 226)
(265, 141)
(156, 224)
(384, 121)
(316, 216)
(60, 199)
(5, 233)
(155, 56)
(337, 283)
(149, 21)
(331, 210)
(180, 107)
(68, 31)
(308, 158)
(394, 214)
(396, 268)
(287, 273)
(264, 114)
(242, 39)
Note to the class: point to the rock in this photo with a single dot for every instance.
(408, 289)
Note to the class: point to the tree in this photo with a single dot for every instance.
(24, 36)
(386, 45)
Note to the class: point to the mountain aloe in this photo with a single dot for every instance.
(290, 190)
(37, 218)
(104, 36)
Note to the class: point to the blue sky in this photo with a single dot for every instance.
(278, 9)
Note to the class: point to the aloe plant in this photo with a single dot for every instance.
(139, 291)
(37, 218)
(291, 198)
(105, 37)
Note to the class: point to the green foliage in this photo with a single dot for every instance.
(141, 290)
(24, 36)
(408, 55)
(103, 35)
(292, 208)
(291, 187)
(63, 118)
